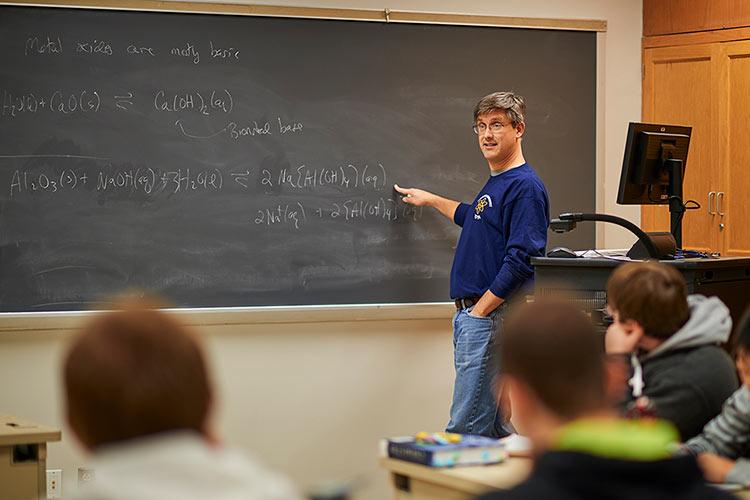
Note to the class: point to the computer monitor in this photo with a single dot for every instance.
(653, 168)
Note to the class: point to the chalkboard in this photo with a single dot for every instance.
(245, 161)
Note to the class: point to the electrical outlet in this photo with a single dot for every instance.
(54, 483)
(85, 475)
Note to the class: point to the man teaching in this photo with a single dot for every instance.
(505, 226)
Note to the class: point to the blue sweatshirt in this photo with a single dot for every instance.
(503, 228)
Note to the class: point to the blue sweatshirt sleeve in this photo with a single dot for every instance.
(460, 214)
(526, 230)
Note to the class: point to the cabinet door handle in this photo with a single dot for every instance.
(711, 196)
(719, 198)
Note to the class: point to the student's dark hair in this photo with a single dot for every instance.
(551, 346)
(653, 294)
(743, 332)
(134, 372)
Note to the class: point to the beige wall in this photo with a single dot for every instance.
(313, 395)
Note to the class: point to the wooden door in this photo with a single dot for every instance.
(679, 89)
(734, 129)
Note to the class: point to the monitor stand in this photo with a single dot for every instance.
(676, 205)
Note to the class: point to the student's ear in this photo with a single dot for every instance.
(208, 430)
(623, 336)
(522, 405)
(502, 398)
(633, 327)
(743, 365)
(636, 329)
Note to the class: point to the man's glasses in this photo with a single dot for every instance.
(481, 128)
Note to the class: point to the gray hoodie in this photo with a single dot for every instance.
(709, 323)
(689, 376)
(728, 435)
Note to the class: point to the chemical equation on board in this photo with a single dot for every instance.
(144, 180)
(214, 101)
(57, 101)
(343, 176)
(297, 214)
(147, 180)
(204, 102)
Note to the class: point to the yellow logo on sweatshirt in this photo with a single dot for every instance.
(482, 203)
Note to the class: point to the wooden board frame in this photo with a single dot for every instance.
(384, 15)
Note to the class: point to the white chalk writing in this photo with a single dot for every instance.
(46, 45)
(214, 101)
(188, 51)
(94, 47)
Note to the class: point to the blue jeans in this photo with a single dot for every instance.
(474, 409)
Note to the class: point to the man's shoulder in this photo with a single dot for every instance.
(529, 180)
(524, 183)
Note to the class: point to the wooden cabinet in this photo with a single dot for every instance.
(677, 90)
(733, 204)
(707, 87)
(664, 17)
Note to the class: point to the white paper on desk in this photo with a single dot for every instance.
(617, 254)
(517, 445)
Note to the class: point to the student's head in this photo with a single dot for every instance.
(553, 366)
(647, 299)
(743, 347)
(500, 122)
(135, 372)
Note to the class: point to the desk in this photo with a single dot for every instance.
(23, 458)
(585, 280)
(418, 482)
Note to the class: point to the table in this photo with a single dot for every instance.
(23, 458)
(418, 482)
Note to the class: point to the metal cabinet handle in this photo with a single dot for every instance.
(719, 198)
(711, 196)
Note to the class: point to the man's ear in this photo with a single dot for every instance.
(632, 327)
(520, 129)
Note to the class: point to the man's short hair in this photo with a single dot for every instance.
(135, 372)
(653, 294)
(512, 104)
(551, 346)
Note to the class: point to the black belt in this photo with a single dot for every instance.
(466, 302)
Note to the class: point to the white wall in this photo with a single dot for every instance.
(312, 397)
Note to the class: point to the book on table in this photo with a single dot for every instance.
(470, 450)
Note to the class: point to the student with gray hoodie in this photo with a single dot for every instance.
(672, 341)
(723, 447)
